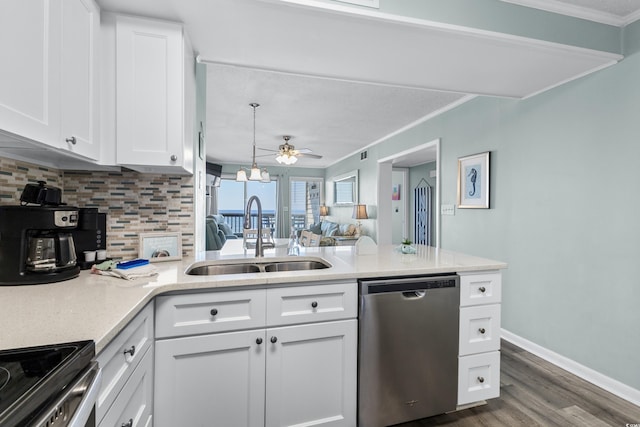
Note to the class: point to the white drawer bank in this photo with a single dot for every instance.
(257, 357)
(126, 395)
(479, 345)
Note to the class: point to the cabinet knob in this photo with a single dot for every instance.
(130, 351)
(174, 157)
(481, 330)
(274, 339)
(480, 380)
(72, 140)
(482, 289)
(314, 304)
(214, 311)
(128, 424)
(258, 341)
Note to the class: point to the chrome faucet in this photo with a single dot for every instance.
(247, 223)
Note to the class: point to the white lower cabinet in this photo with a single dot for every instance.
(479, 337)
(134, 405)
(126, 394)
(291, 375)
(311, 375)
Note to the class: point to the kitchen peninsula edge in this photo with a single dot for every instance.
(95, 307)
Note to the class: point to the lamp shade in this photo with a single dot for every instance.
(241, 175)
(360, 212)
(324, 211)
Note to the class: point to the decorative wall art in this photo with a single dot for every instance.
(473, 181)
(158, 247)
(395, 195)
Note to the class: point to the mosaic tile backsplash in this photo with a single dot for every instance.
(134, 203)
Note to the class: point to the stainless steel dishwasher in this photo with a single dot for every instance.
(407, 348)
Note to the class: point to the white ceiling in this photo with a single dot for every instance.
(338, 81)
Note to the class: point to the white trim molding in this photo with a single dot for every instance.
(578, 11)
(607, 383)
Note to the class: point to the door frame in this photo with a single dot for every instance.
(385, 168)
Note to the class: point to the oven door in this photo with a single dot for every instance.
(76, 405)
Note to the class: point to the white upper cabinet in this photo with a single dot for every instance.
(29, 93)
(48, 85)
(155, 96)
(80, 104)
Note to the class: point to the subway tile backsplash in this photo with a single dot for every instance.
(134, 203)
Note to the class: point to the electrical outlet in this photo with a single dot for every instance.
(447, 210)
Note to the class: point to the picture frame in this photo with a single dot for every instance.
(158, 247)
(473, 181)
(395, 192)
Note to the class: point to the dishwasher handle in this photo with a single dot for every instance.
(408, 284)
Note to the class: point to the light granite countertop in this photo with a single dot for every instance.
(95, 307)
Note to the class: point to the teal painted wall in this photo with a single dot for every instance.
(563, 210)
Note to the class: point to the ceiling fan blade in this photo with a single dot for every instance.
(266, 149)
(309, 155)
(304, 151)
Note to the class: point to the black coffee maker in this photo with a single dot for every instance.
(36, 244)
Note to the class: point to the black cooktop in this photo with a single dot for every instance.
(32, 377)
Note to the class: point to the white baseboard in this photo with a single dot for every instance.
(613, 386)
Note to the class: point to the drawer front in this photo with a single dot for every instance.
(480, 288)
(204, 313)
(133, 406)
(479, 329)
(311, 303)
(121, 356)
(478, 377)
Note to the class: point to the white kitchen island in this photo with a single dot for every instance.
(118, 316)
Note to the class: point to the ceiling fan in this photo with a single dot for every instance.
(288, 155)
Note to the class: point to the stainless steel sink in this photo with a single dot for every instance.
(295, 266)
(218, 267)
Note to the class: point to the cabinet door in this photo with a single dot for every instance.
(133, 405)
(312, 374)
(149, 92)
(210, 380)
(30, 71)
(80, 30)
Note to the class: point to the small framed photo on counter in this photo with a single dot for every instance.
(158, 247)
(473, 181)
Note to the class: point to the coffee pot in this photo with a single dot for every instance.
(36, 244)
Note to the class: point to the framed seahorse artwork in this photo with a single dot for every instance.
(473, 181)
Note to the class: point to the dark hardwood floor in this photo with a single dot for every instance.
(535, 392)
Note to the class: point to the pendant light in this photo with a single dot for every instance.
(256, 174)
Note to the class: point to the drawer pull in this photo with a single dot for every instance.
(130, 351)
(72, 140)
(481, 330)
(128, 424)
(482, 289)
(480, 380)
(274, 339)
(314, 304)
(258, 341)
(214, 311)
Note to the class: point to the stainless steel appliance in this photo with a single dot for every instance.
(408, 348)
(36, 244)
(49, 386)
